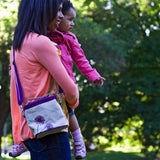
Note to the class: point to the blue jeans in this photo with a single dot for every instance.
(52, 147)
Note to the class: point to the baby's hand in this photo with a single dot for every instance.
(99, 81)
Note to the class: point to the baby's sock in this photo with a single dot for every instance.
(76, 135)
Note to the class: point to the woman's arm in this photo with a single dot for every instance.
(46, 54)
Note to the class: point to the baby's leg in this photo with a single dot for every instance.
(79, 145)
(73, 123)
(17, 149)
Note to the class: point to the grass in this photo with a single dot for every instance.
(113, 155)
(99, 155)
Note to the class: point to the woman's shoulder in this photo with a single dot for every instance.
(36, 38)
(39, 41)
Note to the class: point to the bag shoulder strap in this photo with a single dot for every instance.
(17, 82)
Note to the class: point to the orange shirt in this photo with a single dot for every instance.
(37, 63)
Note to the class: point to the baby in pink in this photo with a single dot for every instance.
(72, 52)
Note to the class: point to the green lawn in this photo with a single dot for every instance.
(102, 155)
(113, 155)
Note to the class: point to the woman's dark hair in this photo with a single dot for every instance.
(66, 6)
(34, 16)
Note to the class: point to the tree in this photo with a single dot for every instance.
(141, 96)
(135, 24)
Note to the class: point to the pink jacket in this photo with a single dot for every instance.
(71, 51)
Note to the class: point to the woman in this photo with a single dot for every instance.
(37, 63)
